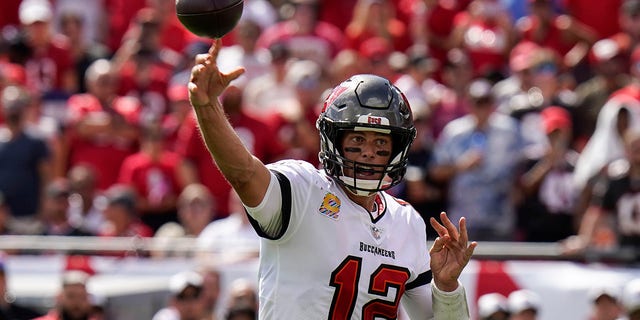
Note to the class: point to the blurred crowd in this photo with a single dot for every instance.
(527, 112)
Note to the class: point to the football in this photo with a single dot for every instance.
(209, 18)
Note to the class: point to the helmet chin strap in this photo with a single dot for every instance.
(372, 185)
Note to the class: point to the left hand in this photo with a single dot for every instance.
(450, 252)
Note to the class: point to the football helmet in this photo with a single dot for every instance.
(365, 103)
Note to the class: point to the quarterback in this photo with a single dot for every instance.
(335, 245)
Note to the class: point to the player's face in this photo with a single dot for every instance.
(366, 147)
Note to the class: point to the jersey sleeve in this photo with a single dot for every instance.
(289, 180)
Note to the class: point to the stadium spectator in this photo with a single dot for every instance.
(375, 53)
(546, 210)
(524, 305)
(229, 239)
(611, 220)
(49, 64)
(432, 24)
(271, 92)
(72, 301)
(346, 62)
(256, 60)
(621, 111)
(295, 124)
(478, 156)
(493, 306)
(600, 16)
(451, 99)
(569, 38)
(605, 301)
(55, 210)
(609, 64)
(416, 81)
(121, 215)
(196, 209)
(25, 163)
(376, 18)
(9, 308)
(103, 126)
(84, 211)
(186, 301)
(303, 34)
(242, 294)
(485, 31)
(629, 18)
(83, 51)
(144, 67)
(154, 173)
(522, 59)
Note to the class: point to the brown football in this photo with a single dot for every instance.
(209, 18)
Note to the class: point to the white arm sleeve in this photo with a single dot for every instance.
(268, 213)
(449, 305)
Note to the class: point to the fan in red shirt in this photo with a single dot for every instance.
(153, 173)
(485, 33)
(256, 135)
(568, 37)
(376, 19)
(102, 127)
(48, 65)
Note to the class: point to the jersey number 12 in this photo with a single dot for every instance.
(345, 279)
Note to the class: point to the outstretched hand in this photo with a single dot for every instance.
(207, 82)
(450, 252)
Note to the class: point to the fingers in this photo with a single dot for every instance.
(215, 47)
(440, 229)
(451, 228)
(464, 237)
(233, 75)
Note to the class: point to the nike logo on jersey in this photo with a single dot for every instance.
(330, 206)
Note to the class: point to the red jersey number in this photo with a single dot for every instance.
(345, 279)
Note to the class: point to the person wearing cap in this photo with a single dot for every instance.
(479, 155)
(611, 220)
(609, 63)
(26, 158)
(186, 300)
(631, 299)
(522, 59)
(605, 302)
(546, 210)
(493, 306)
(524, 304)
(50, 55)
(72, 301)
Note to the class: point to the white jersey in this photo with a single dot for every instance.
(332, 258)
